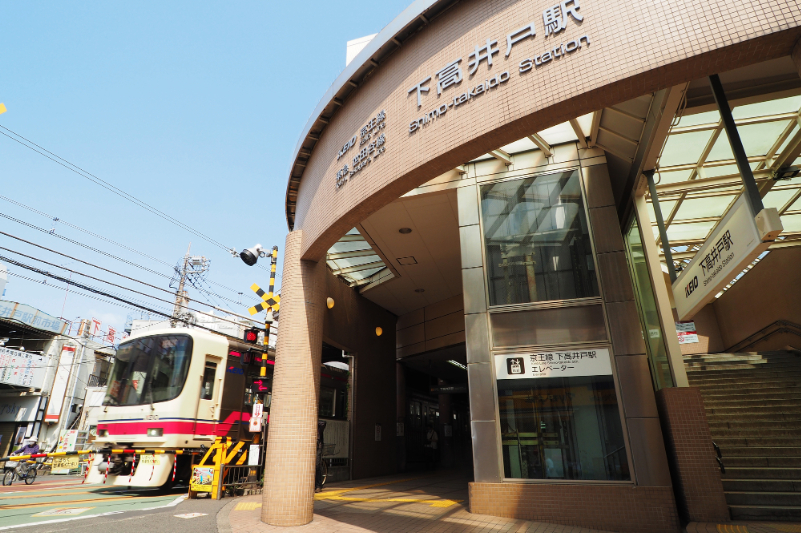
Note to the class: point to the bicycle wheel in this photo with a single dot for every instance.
(8, 477)
(30, 477)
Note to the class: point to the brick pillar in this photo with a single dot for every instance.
(695, 472)
(289, 460)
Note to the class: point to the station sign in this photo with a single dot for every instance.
(559, 364)
(733, 245)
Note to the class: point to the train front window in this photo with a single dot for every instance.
(149, 370)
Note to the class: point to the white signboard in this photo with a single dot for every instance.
(686, 332)
(255, 418)
(21, 368)
(563, 364)
(19, 408)
(31, 316)
(253, 455)
(60, 384)
(734, 244)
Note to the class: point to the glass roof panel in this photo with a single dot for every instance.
(714, 206)
(362, 274)
(354, 261)
(758, 138)
(709, 117)
(722, 170)
(787, 140)
(523, 145)
(684, 148)
(674, 177)
(665, 206)
(689, 232)
(585, 121)
(721, 149)
(561, 133)
(352, 246)
(778, 198)
(771, 107)
(791, 223)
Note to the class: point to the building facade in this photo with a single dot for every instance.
(472, 200)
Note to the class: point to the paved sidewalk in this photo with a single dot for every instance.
(422, 502)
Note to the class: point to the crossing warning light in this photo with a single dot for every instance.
(252, 335)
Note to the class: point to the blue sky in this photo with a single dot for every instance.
(192, 107)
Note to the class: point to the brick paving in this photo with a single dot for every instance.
(402, 503)
(417, 503)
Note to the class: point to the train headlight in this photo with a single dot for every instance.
(155, 432)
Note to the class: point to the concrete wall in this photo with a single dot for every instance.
(770, 291)
(431, 327)
(350, 325)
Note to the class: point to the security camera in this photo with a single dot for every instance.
(251, 255)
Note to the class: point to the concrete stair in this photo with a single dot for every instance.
(753, 405)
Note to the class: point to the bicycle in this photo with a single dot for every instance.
(15, 471)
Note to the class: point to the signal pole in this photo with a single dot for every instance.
(268, 318)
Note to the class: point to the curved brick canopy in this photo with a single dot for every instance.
(634, 48)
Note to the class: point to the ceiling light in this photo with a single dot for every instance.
(329, 302)
(378, 332)
(408, 260)
(457, 363)
(405, 231)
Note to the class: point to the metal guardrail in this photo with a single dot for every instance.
(242, 480)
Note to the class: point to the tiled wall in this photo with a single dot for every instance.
(350, 325)
(635, 49)
(430, 328)
(606, 507)
(292, 440)
(699, 489)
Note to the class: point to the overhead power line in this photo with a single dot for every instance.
(93, 234)
(106, 294)
(112, 256)
(27, 143)
(17, 263)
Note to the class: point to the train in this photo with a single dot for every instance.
(175, 389)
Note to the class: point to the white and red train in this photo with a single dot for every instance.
(174, 389)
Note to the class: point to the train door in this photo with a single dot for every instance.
(208, 407)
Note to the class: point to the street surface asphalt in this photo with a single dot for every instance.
(61, 503)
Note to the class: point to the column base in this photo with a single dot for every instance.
(624, 508)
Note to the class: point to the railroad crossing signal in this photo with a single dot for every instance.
(271, 304)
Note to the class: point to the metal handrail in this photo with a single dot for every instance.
(783, 326)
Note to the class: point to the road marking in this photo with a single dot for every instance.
(175, 502)
(62, 511)
(247, 506)
(189, 515)
(89, 500)
(336, 495)
(45, 495)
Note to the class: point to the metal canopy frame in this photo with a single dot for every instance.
(720, 179)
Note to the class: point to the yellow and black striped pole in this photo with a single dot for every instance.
(273, 261)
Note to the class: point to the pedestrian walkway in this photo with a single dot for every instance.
(423, 502)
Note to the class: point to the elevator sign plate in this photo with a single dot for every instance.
(562, 364)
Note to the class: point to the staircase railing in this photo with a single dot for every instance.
(719, 457)
(779, 326)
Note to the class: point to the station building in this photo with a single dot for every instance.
(505, 215)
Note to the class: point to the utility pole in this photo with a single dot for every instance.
(179, 294)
